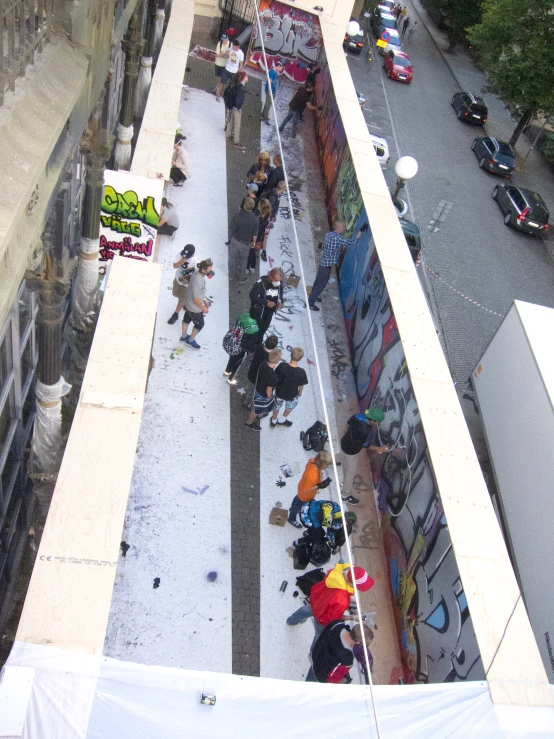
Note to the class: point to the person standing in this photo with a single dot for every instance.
(260, 355)
(243, 231)
(179, 171)
(313, 70)
(169, 219)
(291, 380)
(333, 244)
(330, 598)
(262, 164)
(264, 214)
(311, 482)
(276, 174)
(361, 433)
(273, 79)
(266, 297)
(196, 305)
(405, 25)
(221, 54)
(184, 265)
(333, 655)
(274, 198)
(234, 100)
(233, 64)
(302, 99)
(264, 389)
(248, 344)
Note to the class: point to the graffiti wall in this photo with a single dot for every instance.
(289, 34)
(436, 636)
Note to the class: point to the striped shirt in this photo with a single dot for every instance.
(332, 247)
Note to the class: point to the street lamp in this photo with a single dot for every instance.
(353, 29)
(405, 168)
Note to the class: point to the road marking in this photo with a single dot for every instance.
(371, 125)
(439, 216)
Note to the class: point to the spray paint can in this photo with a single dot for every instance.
(207, 700)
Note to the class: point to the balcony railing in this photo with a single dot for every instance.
(24, 27)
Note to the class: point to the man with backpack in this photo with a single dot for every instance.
(330, 598)
(311, 482)
(361, 433)
(234, 100)
(237, 342)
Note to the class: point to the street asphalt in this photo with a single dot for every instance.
(473, 265)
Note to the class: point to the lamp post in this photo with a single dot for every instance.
(353, 29)
(405, 168)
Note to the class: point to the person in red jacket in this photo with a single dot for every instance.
(330, 598)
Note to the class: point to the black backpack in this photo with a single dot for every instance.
(315, 437)
(311, 578)
(230, 95)
(301, 556)
(320, 554)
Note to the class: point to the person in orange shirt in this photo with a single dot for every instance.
(310, 483)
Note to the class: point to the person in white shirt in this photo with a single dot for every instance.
(221, 52)
(169, 219)
(235, 60)
(185, 264)
(179, 171)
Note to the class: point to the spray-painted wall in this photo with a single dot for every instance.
(437, 641)
(289, 34)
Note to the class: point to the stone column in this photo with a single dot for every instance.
(132, 46)
(46, 445)
(157, 29)
(145, 72)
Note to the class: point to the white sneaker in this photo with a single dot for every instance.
(226, 374)
(232, 382)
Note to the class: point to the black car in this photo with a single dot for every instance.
(496, 156)
(355, 44)
(470, 108)
(524, 210)
(383, 22)
(413, 239)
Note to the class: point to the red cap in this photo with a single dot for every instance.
(363, 580)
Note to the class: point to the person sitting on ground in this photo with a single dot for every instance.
(290, 384)
(248, 344)
(262, 164)
(266, 298)
(169, 219)
(330, 598)
(312, 481)
(179, 171)
(264, 214)
(184, 265)
(333, 652)
(264, 390)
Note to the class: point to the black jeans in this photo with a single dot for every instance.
(176, 175)
(251, 261)
(321, 280)
(234, 363)
(166, 230)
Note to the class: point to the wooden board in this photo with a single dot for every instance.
(69, 596)
(504, 635)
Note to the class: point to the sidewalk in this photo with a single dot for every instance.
(204, 485)
(500, 123)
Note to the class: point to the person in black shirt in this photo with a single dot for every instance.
(290, 383)
(264, 214)
(361, 433)
(275, 176)
(264, 398)
(303, 98)
(266, 297)
(332, 654)
(313, 70)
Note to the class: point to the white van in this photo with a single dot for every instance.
(381, 148)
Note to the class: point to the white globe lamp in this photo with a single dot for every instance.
(353, 29)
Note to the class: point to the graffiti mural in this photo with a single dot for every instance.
(437, 641)
(291, 35)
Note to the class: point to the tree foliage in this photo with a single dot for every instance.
(458, 16)
(515, 41)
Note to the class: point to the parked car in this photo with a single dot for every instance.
(398, 66)
(355, 44)
(523, 209)
(393, 42)
(381, 148)
(383, 21)
(385, 6)
(496, 156)
(413, 239)
(470, 108)
(361, 99)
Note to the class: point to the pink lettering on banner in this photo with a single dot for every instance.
(289, 34)
(127, 247)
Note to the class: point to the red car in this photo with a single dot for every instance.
(398, 66)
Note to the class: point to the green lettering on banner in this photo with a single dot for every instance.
(127, 205)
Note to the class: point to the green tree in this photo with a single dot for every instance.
(515, 41)
(458, 16)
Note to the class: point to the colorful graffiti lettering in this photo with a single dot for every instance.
(291, 35)
(116, 224)
(437, 641)
(127, 205)
(126, 247)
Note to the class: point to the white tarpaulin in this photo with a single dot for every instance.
(131, 701)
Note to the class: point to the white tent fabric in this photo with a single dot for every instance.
(131, 701)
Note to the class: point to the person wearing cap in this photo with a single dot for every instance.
(196, 305)
(184, 265)
(248, 344)
(273, 76)
(330, 598)
(361, 433)
(221, 52)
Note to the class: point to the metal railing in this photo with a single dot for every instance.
(24, 27)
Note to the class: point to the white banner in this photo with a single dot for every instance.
(129, 216)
